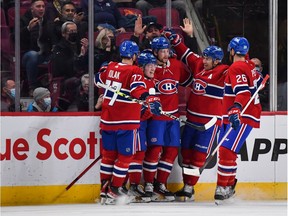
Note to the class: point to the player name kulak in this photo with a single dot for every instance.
(62, 148)
(114, 74)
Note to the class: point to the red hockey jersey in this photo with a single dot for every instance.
(167, 79)
(119, 113)
(207, 89)
(240, 84)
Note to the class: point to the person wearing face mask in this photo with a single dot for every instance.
(68, 13)
(8, 95)
(42, 101)
(69, 62)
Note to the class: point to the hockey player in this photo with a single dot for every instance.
(240, 83)
(120, 119)
(147, 62)
(207, 88)
(163, 134)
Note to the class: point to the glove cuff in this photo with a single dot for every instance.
(144, 96)
(236, 105)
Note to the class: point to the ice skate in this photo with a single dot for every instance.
(223, 194)
(136, 194)
(115, 196)
(104, 190)
(162, 194)
(186, 194)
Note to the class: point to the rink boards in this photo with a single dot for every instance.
(41, 155)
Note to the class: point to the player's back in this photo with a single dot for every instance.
(240, 85)
(119, 112)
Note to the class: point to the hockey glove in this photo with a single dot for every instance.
(234, 116)
(145, 113)
(174, 38)
(154, 104)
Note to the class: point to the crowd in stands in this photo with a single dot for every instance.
(54, 43)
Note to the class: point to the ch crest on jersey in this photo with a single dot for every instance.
(199, 87)
(167, 86)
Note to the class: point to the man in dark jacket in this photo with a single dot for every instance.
(35, 41)
(69, 61)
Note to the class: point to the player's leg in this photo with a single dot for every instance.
(195, 146)
(155, 141)
(227, 165)
(167, 158)
(109, 154)
(126, 142)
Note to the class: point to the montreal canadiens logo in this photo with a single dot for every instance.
(167, 86)
(199, 87)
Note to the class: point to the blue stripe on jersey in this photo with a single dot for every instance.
(185, 56)
(188, 81)
(97, 78)
(136, 84)
(228, 90)
(214, 91)
(238, 89)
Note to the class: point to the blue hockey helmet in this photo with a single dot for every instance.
(240, 45)
(160, 43)
(214, 52)
(128, 49)
(146, 57)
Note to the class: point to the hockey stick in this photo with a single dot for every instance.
(198, 171)
(197, 127)
(83, 172)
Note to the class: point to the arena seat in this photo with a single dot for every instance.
(160, 14)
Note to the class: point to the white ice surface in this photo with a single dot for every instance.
(237, 208)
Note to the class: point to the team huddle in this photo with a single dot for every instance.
(140, 142)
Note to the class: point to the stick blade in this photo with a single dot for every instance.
(191, 172)
(210, 123)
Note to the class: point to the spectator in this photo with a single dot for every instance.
(149, 31)
(68, 13)
(154, 29)
(105, 48)
(146, 5)
(106, 11)
(69, 61)
(264, 93)
(35, 41)
(42, 101)
(54, 8)
(7, 95)
(82, 97)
